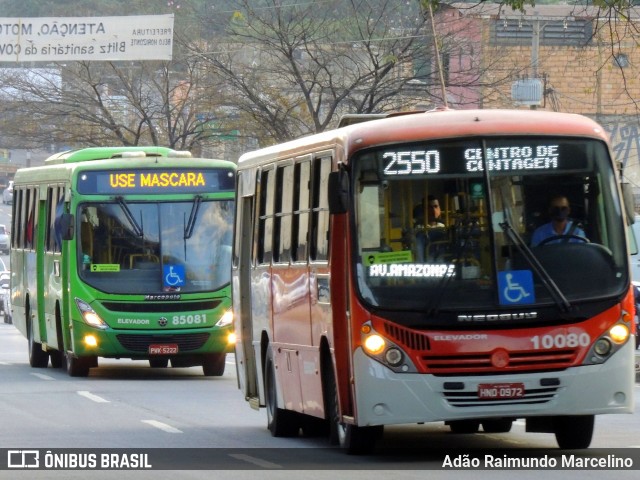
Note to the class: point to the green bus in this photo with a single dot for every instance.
(124, 252)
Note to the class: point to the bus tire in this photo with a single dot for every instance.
(498, 425)
(353, 439)
(77, 366)
(56, 357)
(213, 364)
(162, 362)
(464, 426)
(38, 358)
(574, 432)
(280, 422)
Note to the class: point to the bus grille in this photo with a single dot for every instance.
(185, 341)
(470, 398)
(477, 363)
(409, 338)
(481, 362)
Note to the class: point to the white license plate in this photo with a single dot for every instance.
(499, 391)
(163, 349)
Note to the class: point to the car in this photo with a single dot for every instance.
(5, 292)
(7, 194)
(4, 240)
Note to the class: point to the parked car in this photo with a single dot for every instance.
(5, 292)
(7, 194)
(4, 240)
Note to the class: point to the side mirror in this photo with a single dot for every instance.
(629, 202)
(338, 192)
(65, 225)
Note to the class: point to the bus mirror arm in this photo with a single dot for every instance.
(65, 225)
(338, 191)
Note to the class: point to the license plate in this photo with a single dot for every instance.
(499, 391)
(163, 349)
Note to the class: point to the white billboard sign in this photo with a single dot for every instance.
(59, 39)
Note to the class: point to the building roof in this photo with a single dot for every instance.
(498, 10)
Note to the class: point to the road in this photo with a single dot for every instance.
(125, 404)
(190, 421)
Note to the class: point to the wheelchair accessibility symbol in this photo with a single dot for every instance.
(173, 275)
(516, 287)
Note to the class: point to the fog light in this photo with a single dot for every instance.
(393, 356)
(90, 341)
(602, 347)
(619, 333)
(374, 344)
(231, 339)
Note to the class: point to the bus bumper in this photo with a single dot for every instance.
(141, 344)
(384, 397)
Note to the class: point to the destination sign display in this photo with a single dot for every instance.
(510, 156)
(165, 180)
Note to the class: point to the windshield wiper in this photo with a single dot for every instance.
(525, 251)
(188, 228)
(137, 229)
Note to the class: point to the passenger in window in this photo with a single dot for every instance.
(561, 228)
(431, 230)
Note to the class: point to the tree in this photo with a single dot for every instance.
(273, 69)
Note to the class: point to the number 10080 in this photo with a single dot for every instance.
(570, 340)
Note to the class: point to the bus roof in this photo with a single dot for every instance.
(103, 153)
(434, 124)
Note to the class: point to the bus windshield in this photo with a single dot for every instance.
(449, 225)
(148, 248)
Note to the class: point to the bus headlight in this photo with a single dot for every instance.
(226, 319)
(619, 333)
(89, 316)
(374, 344)
(602, 347)
(393, 356)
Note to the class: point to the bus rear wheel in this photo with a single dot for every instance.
(353, 439)
(574, 432)
(464, 426)
(38, 358)
(280, 422)
(213, 364)
(499, 425)
(162, 362)
(56, 357)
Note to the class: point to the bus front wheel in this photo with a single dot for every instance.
(352, 438)
(77, 366)
(213, 364)
(38, 358)
(280, 422)
(574, 432)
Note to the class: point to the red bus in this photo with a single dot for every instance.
(353, 313)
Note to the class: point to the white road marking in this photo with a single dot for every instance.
(256, 461)
(91, 396)
(42, 376)
(5, 363)
(162, 426)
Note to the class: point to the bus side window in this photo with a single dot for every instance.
(320, 209)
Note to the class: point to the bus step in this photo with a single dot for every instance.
(254, 402)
